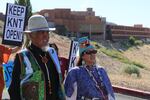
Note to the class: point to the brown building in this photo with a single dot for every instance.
(86, 23)
(76, 21)
(122, 32)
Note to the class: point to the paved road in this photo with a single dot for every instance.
(118, 97)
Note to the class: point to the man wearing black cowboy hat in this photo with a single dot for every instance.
(36, 74)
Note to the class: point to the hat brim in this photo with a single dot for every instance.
(47, 29)
(81, 50)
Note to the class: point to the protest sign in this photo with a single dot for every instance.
(74, 49)
(8, 68)
(14, 24)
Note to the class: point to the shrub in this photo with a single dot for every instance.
(138, 42)
(132, 40)
(132, 69)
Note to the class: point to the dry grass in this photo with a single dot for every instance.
(140, 54)
(133, 82)
(63, 44)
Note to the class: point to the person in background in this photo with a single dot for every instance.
(37, 74)
(5, 52)
(88, 81)
(63, 61)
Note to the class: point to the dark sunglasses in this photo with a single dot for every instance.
(91, 52)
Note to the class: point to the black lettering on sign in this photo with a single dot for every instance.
(13, 34)
(73, 61)
(75, 48)
(14, 22)
(10, 9)
(15, 10)
(9, 23)
(8, 34)
(22, 10)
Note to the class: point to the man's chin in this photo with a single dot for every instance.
(45, 48)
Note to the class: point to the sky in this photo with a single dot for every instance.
(121, 12)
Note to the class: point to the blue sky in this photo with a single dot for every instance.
(121, 12)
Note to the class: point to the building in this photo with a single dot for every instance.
(124, 32)
(83, 22)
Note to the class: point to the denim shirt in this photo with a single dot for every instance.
(85, 85)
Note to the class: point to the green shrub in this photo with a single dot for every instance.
(138, 42)
(132, 40)
(132, 69)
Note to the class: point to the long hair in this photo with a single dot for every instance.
(27, 41)
(79, 63)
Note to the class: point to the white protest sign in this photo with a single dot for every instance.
(14, 24)
(74, 49)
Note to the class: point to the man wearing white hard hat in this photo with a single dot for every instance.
(36, 74)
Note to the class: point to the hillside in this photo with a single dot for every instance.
(114, 66)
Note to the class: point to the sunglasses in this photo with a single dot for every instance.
(85, 43)
(90, 52)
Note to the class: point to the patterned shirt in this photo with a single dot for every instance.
(86, 86)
